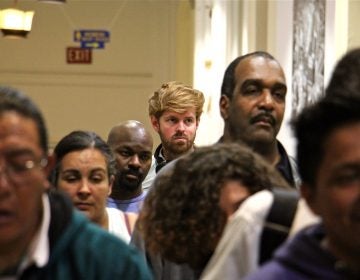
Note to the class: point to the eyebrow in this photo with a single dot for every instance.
(74, 170)
(259, 82)
(131, 149)
(123, 147)
(347, 166)
(19, 152)
(146, 153)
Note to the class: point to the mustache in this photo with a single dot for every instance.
(179, 135)
(133, 172)
(260, 117)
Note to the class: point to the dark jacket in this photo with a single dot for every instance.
(303, 258)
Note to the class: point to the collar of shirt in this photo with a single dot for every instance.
(159, 155)
(283, 166)
(38, 253)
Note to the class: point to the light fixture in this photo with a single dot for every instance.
(53, 1)
(15, 23)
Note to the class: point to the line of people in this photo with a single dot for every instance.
(190, 212)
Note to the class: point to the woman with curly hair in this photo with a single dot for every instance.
(190, 203)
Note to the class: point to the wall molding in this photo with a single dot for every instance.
(77, 79)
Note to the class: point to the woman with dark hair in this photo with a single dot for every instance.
(85, 168)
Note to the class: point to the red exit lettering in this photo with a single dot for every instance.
(78, 55)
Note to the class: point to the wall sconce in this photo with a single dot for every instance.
(53, 1)
(15, 23)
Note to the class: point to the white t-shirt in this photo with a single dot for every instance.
(117, 224)
(150, 177)
(237, 253)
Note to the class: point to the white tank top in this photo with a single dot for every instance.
(117, 224)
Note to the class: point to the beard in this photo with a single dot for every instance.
(122, 182)
(178, 148)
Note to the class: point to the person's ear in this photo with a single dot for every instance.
(111, 183)
(224, 106)
(155, 123)
(309, 194)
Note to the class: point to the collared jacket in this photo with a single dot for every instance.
(80, 249)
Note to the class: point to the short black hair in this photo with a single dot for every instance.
(12, 99)
(315, 124)
(80, 140)
(228, 84)
(345, 78)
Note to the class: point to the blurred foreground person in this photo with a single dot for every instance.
(328, 152)
(41, 236)
(186, 211)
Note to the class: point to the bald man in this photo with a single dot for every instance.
(132, 145)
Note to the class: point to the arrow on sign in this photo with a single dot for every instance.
(93, 45)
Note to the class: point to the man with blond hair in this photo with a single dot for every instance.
(174, 111)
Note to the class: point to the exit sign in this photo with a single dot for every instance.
(78, 55)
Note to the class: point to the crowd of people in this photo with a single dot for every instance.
(241, 208)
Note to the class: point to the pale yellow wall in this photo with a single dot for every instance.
(143, 52)
(261, 25)
(152, 41)
(354, 23)
(184, 42)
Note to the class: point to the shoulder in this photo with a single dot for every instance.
(303, 217)
(90, 250)
(274, 270)
(146, 184)
(256, 207)
(131, 219)
(127, 218)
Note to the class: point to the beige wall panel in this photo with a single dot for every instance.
(185, 42)
(138, 59)
(353, 25)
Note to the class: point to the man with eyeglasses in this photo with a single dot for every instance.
(41, 236)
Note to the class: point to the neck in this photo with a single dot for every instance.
(350, 256)
(12, 252)
(10, 257)
(121, 194)
(269, 151)
(104, 220)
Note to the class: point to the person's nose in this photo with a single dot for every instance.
(135, 161)
(181, 126)
(267, 100)
(84, 188)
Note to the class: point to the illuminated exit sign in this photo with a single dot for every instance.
(78, 55)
